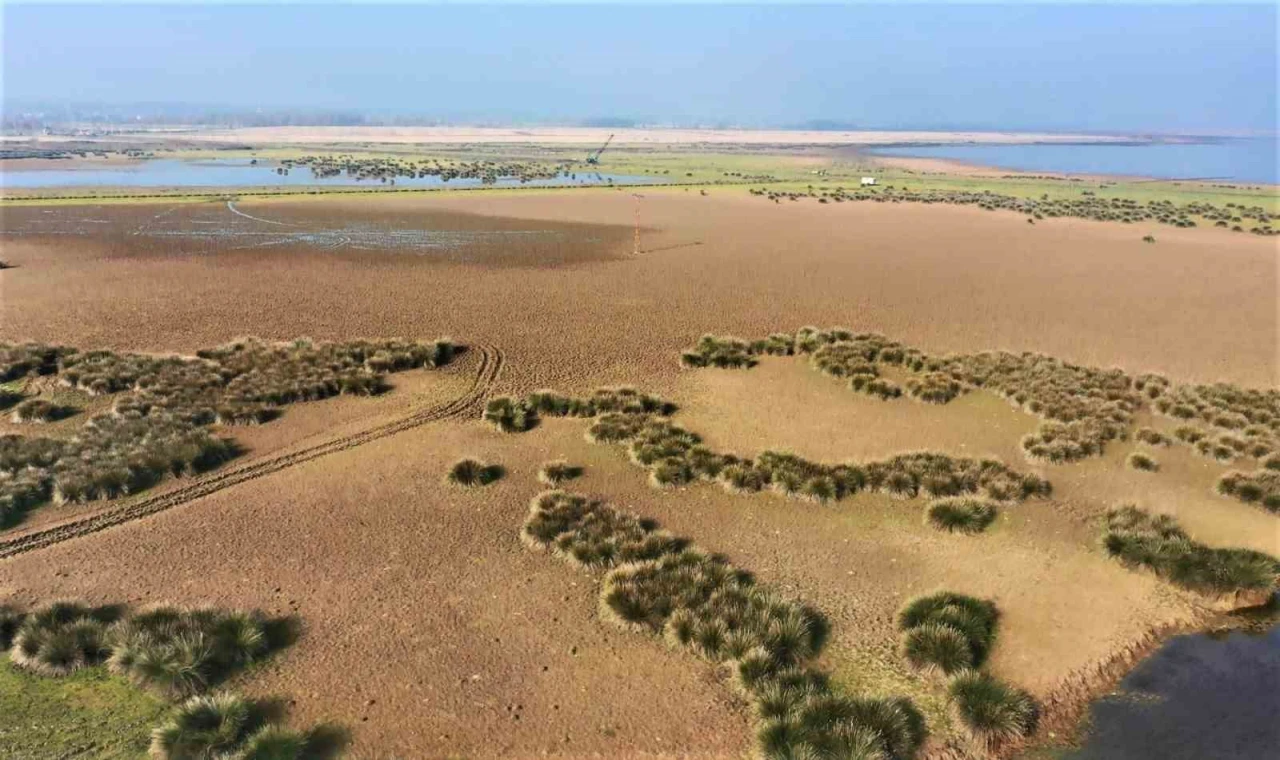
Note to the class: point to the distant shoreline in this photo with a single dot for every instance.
(594, 135)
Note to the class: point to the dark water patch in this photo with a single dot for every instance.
(1199, 696)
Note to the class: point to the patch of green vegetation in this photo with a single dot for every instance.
(659, 584)
(961, 514)
(473, 473)
(947, 632)
(1156, 542)
(88, 713)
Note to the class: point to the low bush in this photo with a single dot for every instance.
(1188, 434)
(212, 726)
(961, 514)
(1156, 542)
(510, 415)
(25, 359)
(722, 352)
(8, 398)
(473, 473)
(1152, 437)
(935, 388)
(40, 410)
(623, 400)
(1140, 461)
(10, 620)
(947, 632)
(992, 714)
(179, 652)
(558, 472)
(1262, 486)
(61, 638)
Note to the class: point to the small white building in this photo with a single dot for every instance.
(868, 181)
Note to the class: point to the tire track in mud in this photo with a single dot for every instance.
(470, 403)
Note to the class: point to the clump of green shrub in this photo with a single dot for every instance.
(993, 714)
(1188, 434)
(178, 651)
(621, 400)
(723, 352)
(39, 410)
(934, 387)
(60, 638)
(472, 473)
(510, 415)
(1152, 437)
(558, 472)
(205, 727)
(173, 650)
(1262, 486)
(1156, 542)
(961, 514)
(25, 359)
(947, 632)
(1144, 462)
(10, 620)
(8, 398)
(660, 584)
(227, 726)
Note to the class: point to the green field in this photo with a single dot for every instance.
(87, 714)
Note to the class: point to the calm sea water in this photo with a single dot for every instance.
(1237, 160)
(1198, 697)
(162, 172)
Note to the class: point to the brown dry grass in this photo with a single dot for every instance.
(419, 588)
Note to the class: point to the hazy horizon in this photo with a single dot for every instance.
(1135, 69)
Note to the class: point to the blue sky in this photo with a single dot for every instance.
(1066, 67)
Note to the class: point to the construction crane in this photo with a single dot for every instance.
(594, 158)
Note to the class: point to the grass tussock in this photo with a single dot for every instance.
(1142, 462)
(961, 514)
(38, 410)
(661, 585)
(228, 726)
(1261, 487)
(174, 651)
(60, 638)
(510, 415)
(722, 352)
(619, 400)
(179, 652)
(947, 632)
(1152, 437)
(473, 473)
(30, 359)
(9, 398)
(1156, 542)
(556, 473)
(993, 714)
(157, 426)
